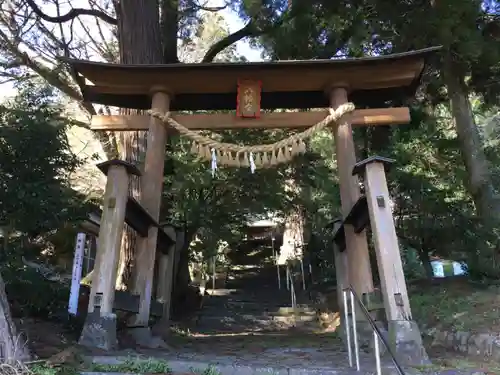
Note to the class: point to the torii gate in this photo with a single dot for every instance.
(249, 88)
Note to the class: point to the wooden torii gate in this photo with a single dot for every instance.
(370, 83)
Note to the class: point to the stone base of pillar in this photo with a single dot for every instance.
(161, 329)
(405, 340)
(144, 337)
(365, 335)
(99, 331)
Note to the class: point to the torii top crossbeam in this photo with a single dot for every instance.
(285, 84)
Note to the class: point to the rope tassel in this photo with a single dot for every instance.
(195, 149)
(214, 162)
(252, 162)
(274, 160)
(265, 159)
(302, 147)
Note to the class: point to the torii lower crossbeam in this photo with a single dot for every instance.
(276, 120)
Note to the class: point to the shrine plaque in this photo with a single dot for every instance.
(248, 99)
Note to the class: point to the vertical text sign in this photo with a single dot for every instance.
(248, 99)
(77, 274)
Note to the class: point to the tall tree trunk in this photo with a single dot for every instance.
(423, 254)
(293, 235)
(169, 27)
(181, 276)
(133, 148)
(12, 347)
(479, 182)
(140, 43)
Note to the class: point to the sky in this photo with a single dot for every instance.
(234, 22)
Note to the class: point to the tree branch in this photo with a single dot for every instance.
(196, 8)
(248, 30)
(72, 14)
(211, 9)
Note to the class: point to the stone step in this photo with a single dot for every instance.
(268, 310)
(211, 325)
(250, 303)
(271, 310)
(283, 309)
(271, 292)
(258, 318)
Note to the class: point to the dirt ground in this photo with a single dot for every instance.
(456, 305)
(46, 339)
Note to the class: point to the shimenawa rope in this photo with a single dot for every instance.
(266, 155)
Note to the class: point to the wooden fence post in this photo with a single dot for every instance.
(404, 334)
(100, 325)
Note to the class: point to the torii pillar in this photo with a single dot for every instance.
(151, 196)
(358, 273)
(359, 269)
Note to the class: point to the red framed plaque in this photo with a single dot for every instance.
(248, 99)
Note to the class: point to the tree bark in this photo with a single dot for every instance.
(182, 279)
(170, 27)
(140, 43)
(13, 347)
(426, 262)
(479, 182)
(132, 149)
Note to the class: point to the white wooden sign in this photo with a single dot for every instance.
(77, 274)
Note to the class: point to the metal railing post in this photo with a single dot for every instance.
(347, 329)
(377, 334)
(276, 260)
(354, 329)
(279, 276)
(303, 277)
(377, 353)
(214, 260)
(292, 292)
(287, 277)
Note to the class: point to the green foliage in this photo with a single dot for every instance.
(433, 208)
(210, 370)
(35, 163)
(412, 264)
(35, 198)
(459, 307)
(426, 185)
(135, 365)
(223, 203)
(41, 369)
(31, 294)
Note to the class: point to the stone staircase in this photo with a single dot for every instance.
(249, 328)
(252, 302)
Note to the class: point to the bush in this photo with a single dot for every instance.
(30, 294)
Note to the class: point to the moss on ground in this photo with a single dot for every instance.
(130, 365)
(457, 306)
(134, 366)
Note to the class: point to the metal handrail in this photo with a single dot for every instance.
(292, 289)
(377, 335)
